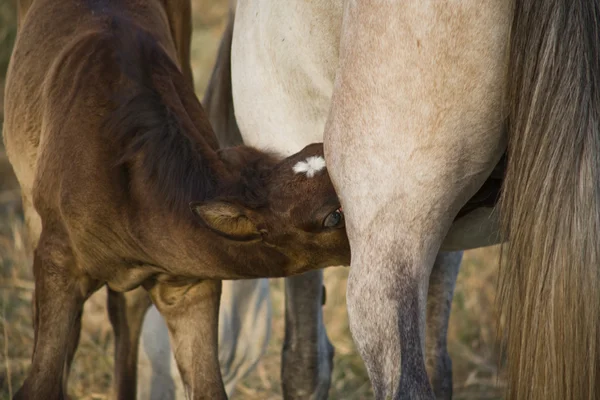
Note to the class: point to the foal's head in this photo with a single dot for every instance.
(286, 206)
(281, 214)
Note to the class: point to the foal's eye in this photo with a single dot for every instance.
(334, 220)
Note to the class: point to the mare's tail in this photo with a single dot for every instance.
(550, 287)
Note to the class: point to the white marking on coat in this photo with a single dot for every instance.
(311, 166)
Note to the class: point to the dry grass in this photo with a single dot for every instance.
(472, 341)
(7, 38)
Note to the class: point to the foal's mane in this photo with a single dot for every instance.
(158, 125)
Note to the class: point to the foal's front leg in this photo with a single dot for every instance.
(191, 311)
(307, 356)
(126, 312)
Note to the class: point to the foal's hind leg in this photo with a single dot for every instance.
(307, 357)
(59, 296)
(126, 312)
(34, 226)
(71, 349)
(439, 299)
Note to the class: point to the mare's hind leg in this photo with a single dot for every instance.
(126, 312)
(59, 296)
(307, 357)
(439, 299)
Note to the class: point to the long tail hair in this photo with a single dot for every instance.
(550, 285)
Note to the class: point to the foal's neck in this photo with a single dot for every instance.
(183, 245)
(172, 158)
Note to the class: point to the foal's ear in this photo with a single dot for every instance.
(226, 219)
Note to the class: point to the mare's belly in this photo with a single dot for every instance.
(283, 65)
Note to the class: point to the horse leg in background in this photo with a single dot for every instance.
(59, 298)
(191, 312)
(126, 312)
(244, 328)
(307, 356)
(158, 377)
(439, 300)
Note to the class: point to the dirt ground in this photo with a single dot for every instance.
(472, 333)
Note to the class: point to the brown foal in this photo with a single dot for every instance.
(123, 184)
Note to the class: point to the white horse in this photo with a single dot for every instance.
(416, 102)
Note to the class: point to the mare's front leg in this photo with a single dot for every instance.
(439, 300)
(191, 311)
(307, 356)
(126, 312)
(60, 291)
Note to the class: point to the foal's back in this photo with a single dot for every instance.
(58, 96)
